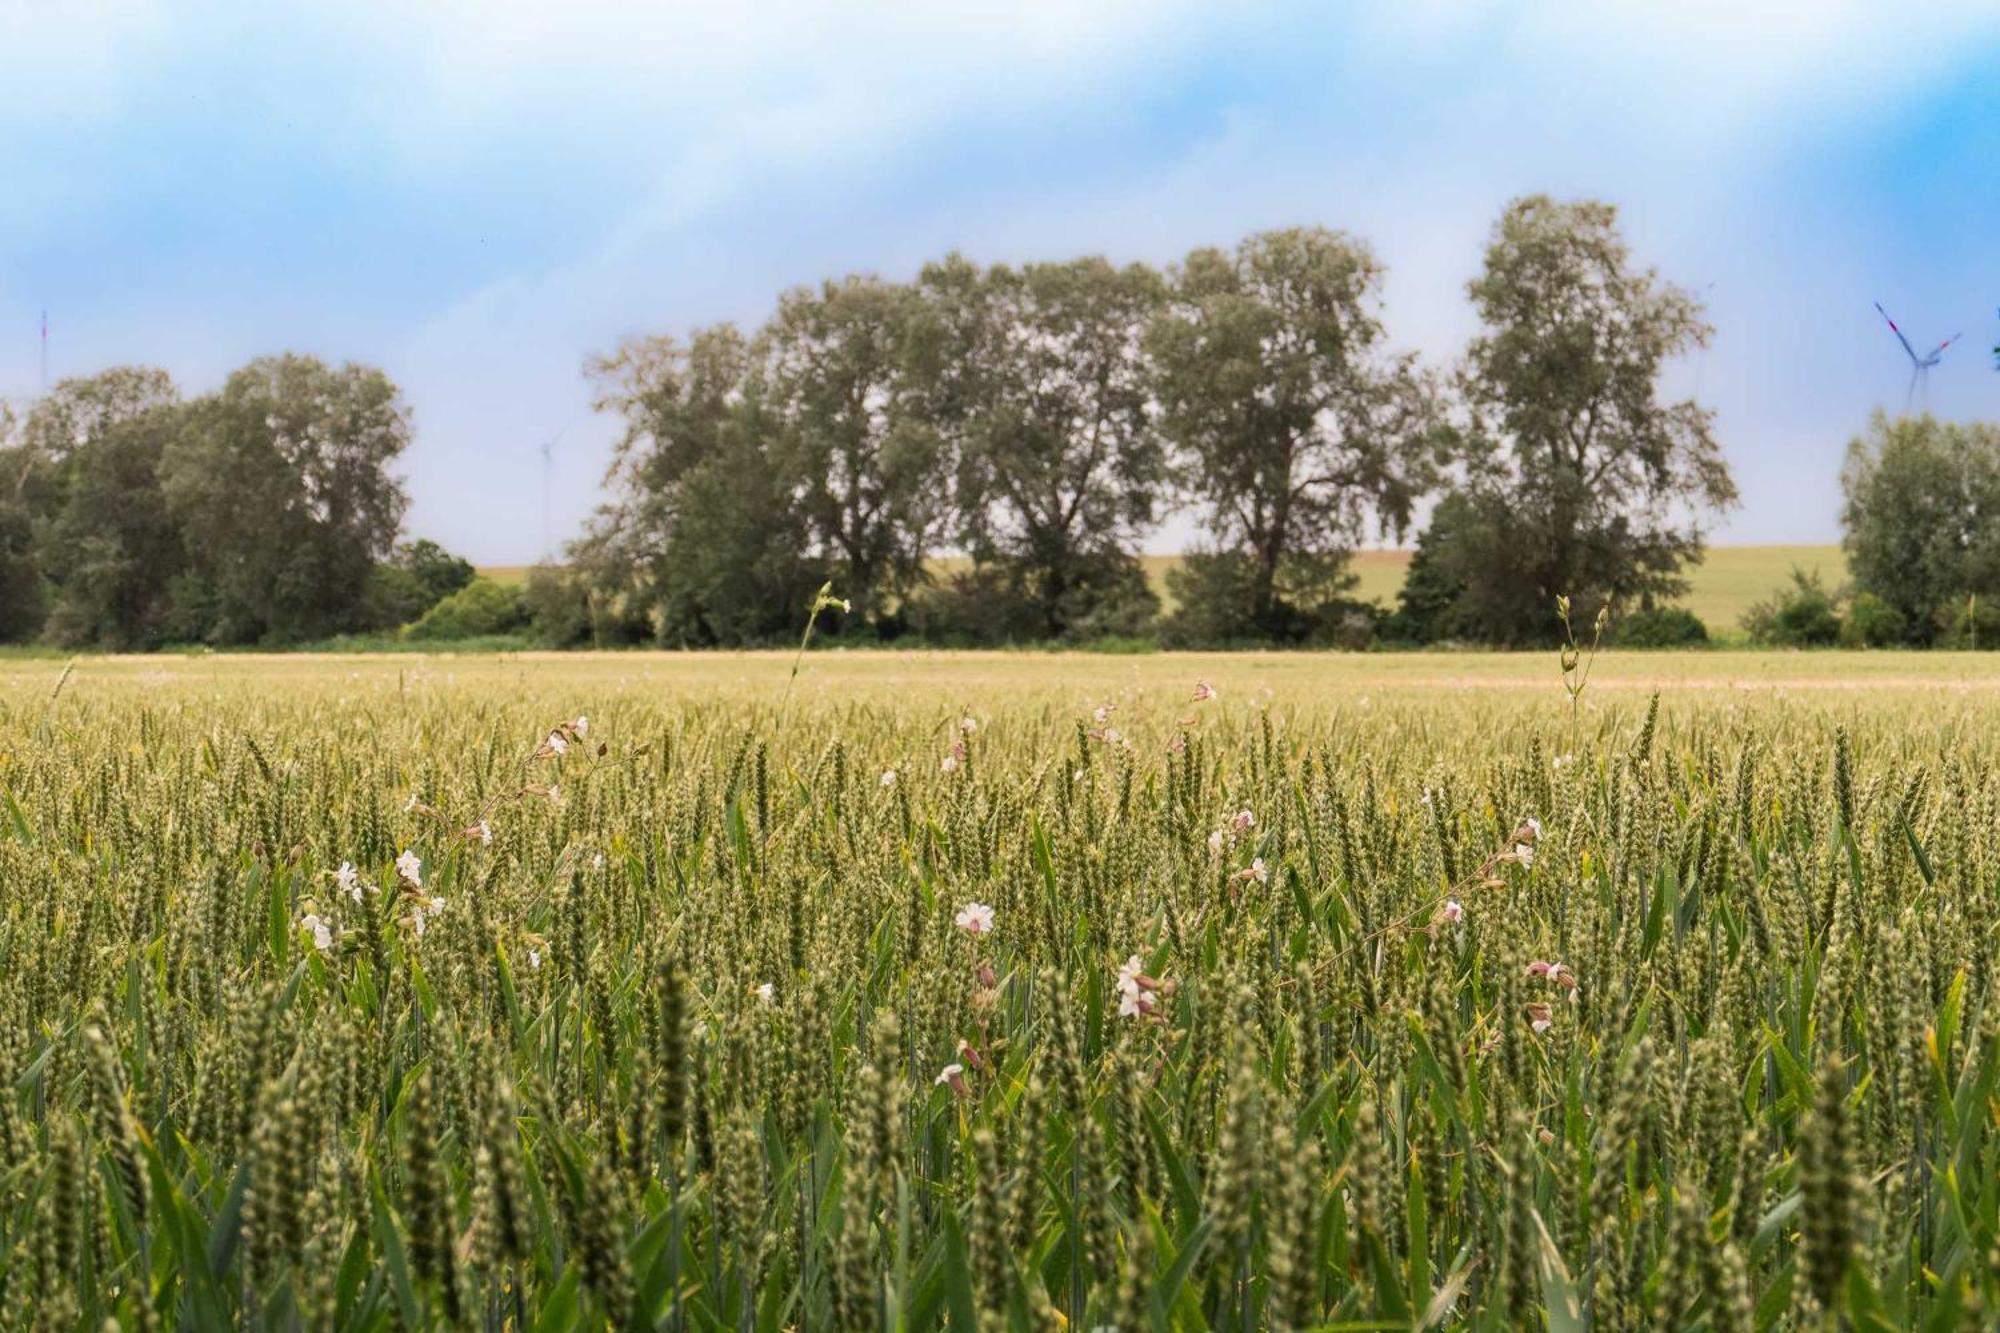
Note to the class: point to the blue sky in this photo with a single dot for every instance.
(477, 196)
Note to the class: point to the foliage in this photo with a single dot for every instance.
(1216, 597)
(417, 576)
(279, 485)
(557, 605)
(1800, 616)
(839, 373)
(482, 607)
(1974, 623)
(1059, 469)
(1298, 430)
(1919, 531)
(1659, 627)
(1872, 623)
(703, 542)
(1460, 580)
(346, 1006)
(999, 603)
(90, 452)
(1584, 481)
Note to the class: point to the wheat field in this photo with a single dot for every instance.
(1000, 992)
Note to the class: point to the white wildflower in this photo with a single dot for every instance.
(410, 868)
(974, 918)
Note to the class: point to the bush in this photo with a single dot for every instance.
(1801, 616)
(480, 607)
(1215, 600)
(998, 603)
(1873, 623)
(1659, 627)
(1971, 622)
(557, 607)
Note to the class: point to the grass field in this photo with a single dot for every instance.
(1724, 585)
(1000, 992)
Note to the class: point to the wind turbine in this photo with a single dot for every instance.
(547, 449)
(1919, 365)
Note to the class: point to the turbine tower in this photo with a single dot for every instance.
(548, 447)
(1919, 365)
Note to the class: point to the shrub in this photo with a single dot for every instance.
(480, 607)
(557, 607)
(1873, 623)
(1659, 627)
(1971, 622)
(1801, 616)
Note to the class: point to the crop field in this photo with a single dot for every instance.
(1000, 992)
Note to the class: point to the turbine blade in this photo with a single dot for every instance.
(1898, 332)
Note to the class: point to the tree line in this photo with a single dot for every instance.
(1922, 545)
(972, 457)
(265, 512)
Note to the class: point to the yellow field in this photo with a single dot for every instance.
(1725, 585)
(1154, 688)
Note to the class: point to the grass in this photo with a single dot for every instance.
(353, 992)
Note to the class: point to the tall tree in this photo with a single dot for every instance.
(1297, 430)
(869, 472)
(22, 603)
(1591, 485)
(701, 540)
(281, 487)
(1919, 528)
(105, 541)
(1059, 466)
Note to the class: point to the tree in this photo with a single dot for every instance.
(104, 540)
(1588, 484)
(866, 471)
(416, 577)
(482, 608)
(1059, 468)
(1295, 427)
(1455, 555)
(1800, 616)
(1919, 518)
(702, 541)
(281, 489)
(22, 604)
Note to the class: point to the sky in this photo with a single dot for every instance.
(477, 197)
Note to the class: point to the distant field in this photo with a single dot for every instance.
(1726, 584)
